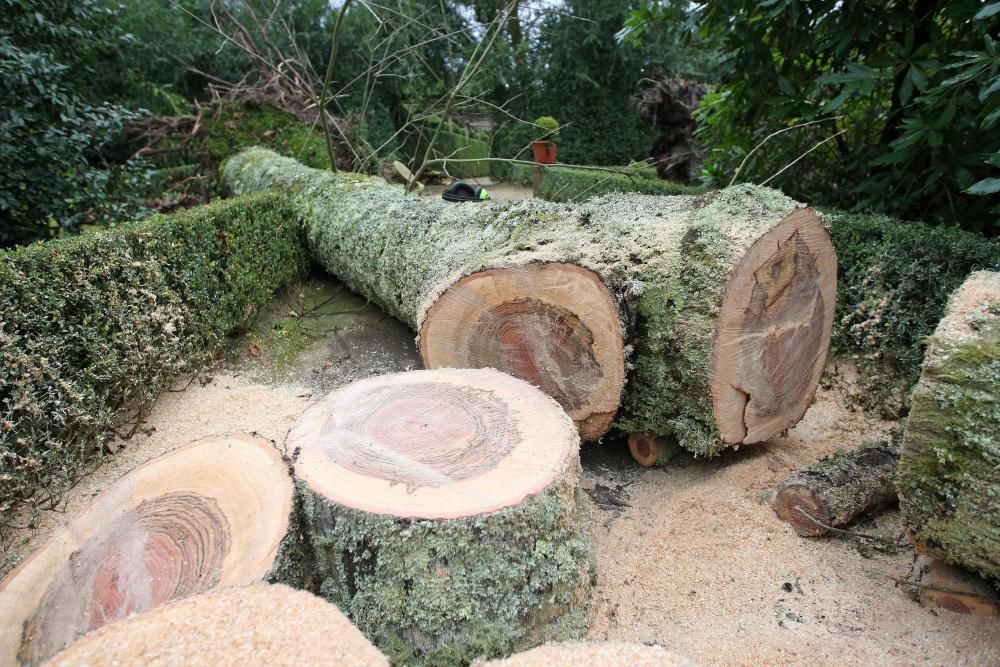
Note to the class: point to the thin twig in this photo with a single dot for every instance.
(774, 134)
(782, 170)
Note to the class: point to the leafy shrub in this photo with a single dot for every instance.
(55, 173)
(548, 125)
(896, 106)
(561, 184)
(96, 326)
(894, 280)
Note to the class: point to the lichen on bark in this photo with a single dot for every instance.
(949, 468)
(665, 260)
(444, 592)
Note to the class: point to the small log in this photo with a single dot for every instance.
(445, 514)
(649, 450)
(938, 585)
(605, 654)
(724, 301)
(213, 513)
(838, 488)
(250, 625)
(949, 487)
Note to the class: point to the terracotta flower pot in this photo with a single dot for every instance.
(545, 151)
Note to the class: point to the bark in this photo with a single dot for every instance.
(250, 625)
(948, 483)
(723, 303)
(449, 538)
(837, 489)
(213, 513)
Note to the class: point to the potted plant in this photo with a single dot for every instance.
(545, 148)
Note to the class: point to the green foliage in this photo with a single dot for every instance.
(96, 326)
(903, 101)
(451, 141)
(563, 185)
(894, 280)
(56, 172)
(549, 125)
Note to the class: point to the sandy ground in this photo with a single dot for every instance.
(690, 556)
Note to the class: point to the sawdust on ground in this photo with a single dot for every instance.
(690, 556)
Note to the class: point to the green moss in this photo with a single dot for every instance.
(448, 592)
(948, 470)
(93, 328)
(236, 127)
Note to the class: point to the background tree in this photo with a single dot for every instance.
(911, 88)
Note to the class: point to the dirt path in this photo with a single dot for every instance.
(690, 556)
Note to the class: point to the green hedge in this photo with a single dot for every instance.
(566, 184)
(94, 327)
(451, 142)
(894, 280)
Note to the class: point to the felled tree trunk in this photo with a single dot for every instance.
(836, 489)
(248, 625)
(213, 513)
(723, 303)
(949, 489)
(445, 514)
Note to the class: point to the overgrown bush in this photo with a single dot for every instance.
(94, 327)
(563, 184)
(894, 280)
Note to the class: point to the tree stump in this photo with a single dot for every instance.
(445, 514)
(250, 625)
(949, 487)
(212, 513)
(582, 654)
(836, 489)
(720, 304)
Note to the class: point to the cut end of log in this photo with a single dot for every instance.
(253, 625)
(606, 654)
(644, 449)
(795, 504)
(554, 325)
(774, 330)
(208, 514)
(941, 586)
(435, 444)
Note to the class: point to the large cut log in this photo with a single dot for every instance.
(249, 625)
(722, 303)
(445, 513)
(581, 654)
(949, 468)
(836, 489)
(213, 513)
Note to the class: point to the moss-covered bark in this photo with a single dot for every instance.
(666, 260)
(444, 592)
(949, 470)
(836, 489)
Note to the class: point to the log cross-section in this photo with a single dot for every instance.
(444, 512)
(213, 513)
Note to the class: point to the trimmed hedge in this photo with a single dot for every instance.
(567, 184)
(894, 281)
(452, 142)
(93, 328)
